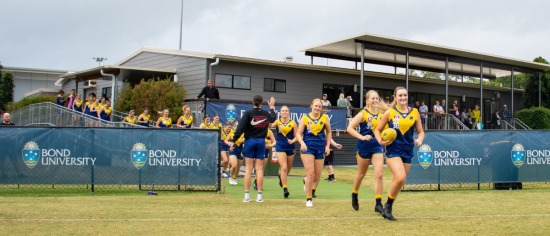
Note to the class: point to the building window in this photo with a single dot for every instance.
(274, 85)
(106, 92)
(232, 81)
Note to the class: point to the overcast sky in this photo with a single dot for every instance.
(67, 34)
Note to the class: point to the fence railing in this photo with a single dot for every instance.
(49, 114)
(518, 124)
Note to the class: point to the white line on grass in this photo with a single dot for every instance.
(267, 218)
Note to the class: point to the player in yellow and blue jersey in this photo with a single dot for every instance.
(131, 118)
(285, 146)
(104, 114)
(226, 131)
(368, 149)
(314, 135)
(216, 122)
(186, 120)
(399, 152)
(143, 118)
(206, 124)
(164, 121)
(235, 156)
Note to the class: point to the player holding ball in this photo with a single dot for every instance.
(399, 152)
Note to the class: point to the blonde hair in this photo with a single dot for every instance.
(381, 105)
(341, 96)
(184, 107)
(316, 100)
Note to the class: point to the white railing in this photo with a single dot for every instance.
(517, 123)
(49, 114)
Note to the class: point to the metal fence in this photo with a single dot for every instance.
(49, 114)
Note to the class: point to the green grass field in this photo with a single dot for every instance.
(481, 212)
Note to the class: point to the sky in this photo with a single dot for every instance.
(68, 34)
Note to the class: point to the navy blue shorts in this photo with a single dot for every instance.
(368, 154)
(225, 147)
(236, 152)
(406, 155)
(288, 152)
(318, 153)
(254, 148)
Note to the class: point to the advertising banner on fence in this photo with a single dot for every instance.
(481, 157)
(233, 111)
(33, 155)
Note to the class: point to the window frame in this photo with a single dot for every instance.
(233, 81)
(273, 83)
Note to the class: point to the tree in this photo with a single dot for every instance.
(531, 96)
(154, 94)
(6, 89)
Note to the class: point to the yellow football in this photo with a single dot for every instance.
(389, 135)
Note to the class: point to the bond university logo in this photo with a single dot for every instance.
(31, 154)
(425, 156)
(518, 155)
(230, 113)
(139, 155)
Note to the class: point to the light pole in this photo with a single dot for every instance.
(181, 22)
(99, 60)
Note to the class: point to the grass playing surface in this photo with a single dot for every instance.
(125, 212)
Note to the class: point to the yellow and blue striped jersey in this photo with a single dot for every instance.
(404, 124)
(186, 121)
(165, 122)
(130, 120)
(285, 131)
(210, 125)
(314, 131)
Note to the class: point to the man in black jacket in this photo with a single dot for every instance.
(209, 92)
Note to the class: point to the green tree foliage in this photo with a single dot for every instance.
(28, 101)
(154, 94)
(535, 117)
(531, 96)
(6, 89)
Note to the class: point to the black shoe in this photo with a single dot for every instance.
(355, 201)
(387, 212)
(379, 208)
(255, 185)
(286, 193)
(280, 182)
(313, 194)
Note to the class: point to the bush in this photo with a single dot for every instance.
(535, 117)
(10, 107)
(154, 94)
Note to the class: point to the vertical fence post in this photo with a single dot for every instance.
(139, 179)
(92, 178)
(438, 178)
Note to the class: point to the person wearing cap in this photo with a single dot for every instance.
(325, 101)
(506, 114)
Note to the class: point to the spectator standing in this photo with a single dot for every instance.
(495, 120)
(476, 116)
(325, 101)
(506, 115)
(438, 111)
(423, 109)
(209, 92)
(341, 101)
(348, 106)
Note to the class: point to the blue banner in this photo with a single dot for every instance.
(481, 157)
(32, 155)
(231, 111)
